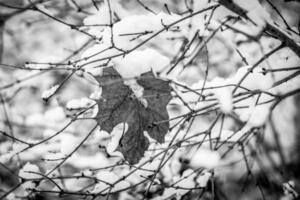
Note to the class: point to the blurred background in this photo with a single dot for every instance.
(33, 43)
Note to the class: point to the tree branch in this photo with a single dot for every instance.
(269, 28)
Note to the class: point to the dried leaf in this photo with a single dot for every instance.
(119, 105)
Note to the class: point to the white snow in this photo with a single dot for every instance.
(47, 93)
(147, 168)
(205, 158)
(169, 193)
(127, 33)
(35, 66)
(43, 8)
(203, 178)
(255, 79)
(35, 119)
(28, 171)
(255, 12)
(97, 55)
(135, 87)
(138, 24)
(116, 136)
(96, 95)
(55, 114)
(224, 96)
(101, 17)
(140, 61)
(11, 196)
(94, 70)
(79, 103)
(186, 181)
(259, 115)
(51, 156)
(110, 178)
(137, 90)
(94, 161)
(226, 135)
(68, 142)
(254, 115)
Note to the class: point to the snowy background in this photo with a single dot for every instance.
(233, 67)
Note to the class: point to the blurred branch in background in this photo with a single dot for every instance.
(184, 99)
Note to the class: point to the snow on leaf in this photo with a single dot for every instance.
(93, 58)
(116, 136)
(139, 62)
(119, 105)
(96, 95)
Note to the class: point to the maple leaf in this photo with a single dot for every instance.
(119, 105)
